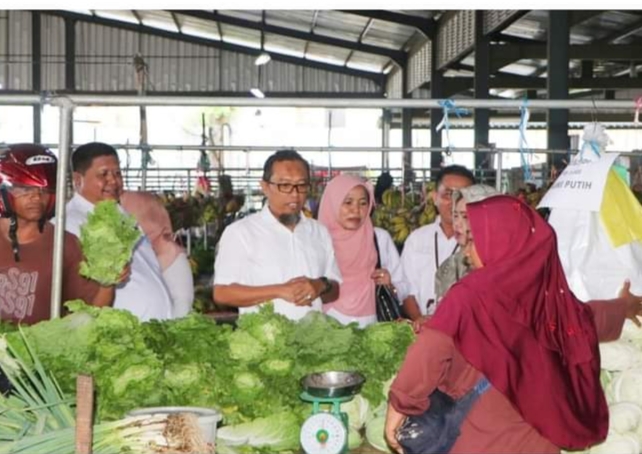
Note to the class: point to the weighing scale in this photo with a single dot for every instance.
(326, 432)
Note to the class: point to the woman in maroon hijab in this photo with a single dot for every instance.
(515, 321)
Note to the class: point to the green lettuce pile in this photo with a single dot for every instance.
(107, 239)
(251, 373)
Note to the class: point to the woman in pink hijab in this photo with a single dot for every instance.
(345, 210)
(154, 220)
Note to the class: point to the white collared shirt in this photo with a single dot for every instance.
(420, 261)
(259, 250)
(144, 294)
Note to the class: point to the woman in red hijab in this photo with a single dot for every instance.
(514, 320)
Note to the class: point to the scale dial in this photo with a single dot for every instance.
(323, 433)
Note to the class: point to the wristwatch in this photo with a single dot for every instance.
(327, 285)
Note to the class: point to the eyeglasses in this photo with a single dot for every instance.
(23, 191)
(287, 188)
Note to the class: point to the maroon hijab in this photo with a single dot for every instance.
(517, 321)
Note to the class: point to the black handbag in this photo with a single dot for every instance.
(436, 430)
(388, 305)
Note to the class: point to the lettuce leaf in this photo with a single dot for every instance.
(107, 240)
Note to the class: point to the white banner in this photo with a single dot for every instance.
(581, 184)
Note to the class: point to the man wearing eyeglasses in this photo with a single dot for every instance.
(278, 254)
(429, 246)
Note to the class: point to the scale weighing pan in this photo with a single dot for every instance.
(333, 384)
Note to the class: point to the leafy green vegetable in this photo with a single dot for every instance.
(249, 374)
(277, 432)
(107, 239)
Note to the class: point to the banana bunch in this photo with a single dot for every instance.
(400, 213)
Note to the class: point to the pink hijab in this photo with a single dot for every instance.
(153, 218)
(354, 249)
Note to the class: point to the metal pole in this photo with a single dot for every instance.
(372, 103)
(385, 139)
(498, 174)
(66, 108)
(271, 149)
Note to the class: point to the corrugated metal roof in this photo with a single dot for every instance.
(285, 45)
(300, 20)
(158, 19)
(122, 15)
(367, 62)
(198, 27)
(339, 25)
(328, 54)
(243, 36)
(104, 63)
(15, 50)
(53, 52)
(388, 35)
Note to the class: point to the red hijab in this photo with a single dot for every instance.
(354, 249)
(517, 322)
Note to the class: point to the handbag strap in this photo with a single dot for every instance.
(378, 254)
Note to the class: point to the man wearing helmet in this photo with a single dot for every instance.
(97, 177)
(27, 200)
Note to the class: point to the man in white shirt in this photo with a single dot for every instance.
(278, 254)
(429, 246)
(97, 177)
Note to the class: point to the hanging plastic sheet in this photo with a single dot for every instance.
(599, 248)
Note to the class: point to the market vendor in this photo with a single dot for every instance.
(27, 200)
(278, 254)
(97, 177)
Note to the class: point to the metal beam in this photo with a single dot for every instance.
(397, 56)
(427, 27)
(36, 73)
(375, 77)
(558, 51)
(481, 80)
(454, 85)
(505, 54)
(436, 115)
(137, 16)
(507, 23)
(70, 77)
(312, 27)
(579, 16)
(177, 23)
(620, 34)
(228, 94)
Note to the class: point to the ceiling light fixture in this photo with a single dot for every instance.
(262, 59)
(257, 92)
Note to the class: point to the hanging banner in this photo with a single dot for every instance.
(581, 184)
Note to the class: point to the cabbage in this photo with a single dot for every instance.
(624, 417)
(618, 444)
(278, 432)
(627, 387)
(375, 433)
(357, 411)
(107, 240)
(619, 355)
(245, 348)
(354, 439)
